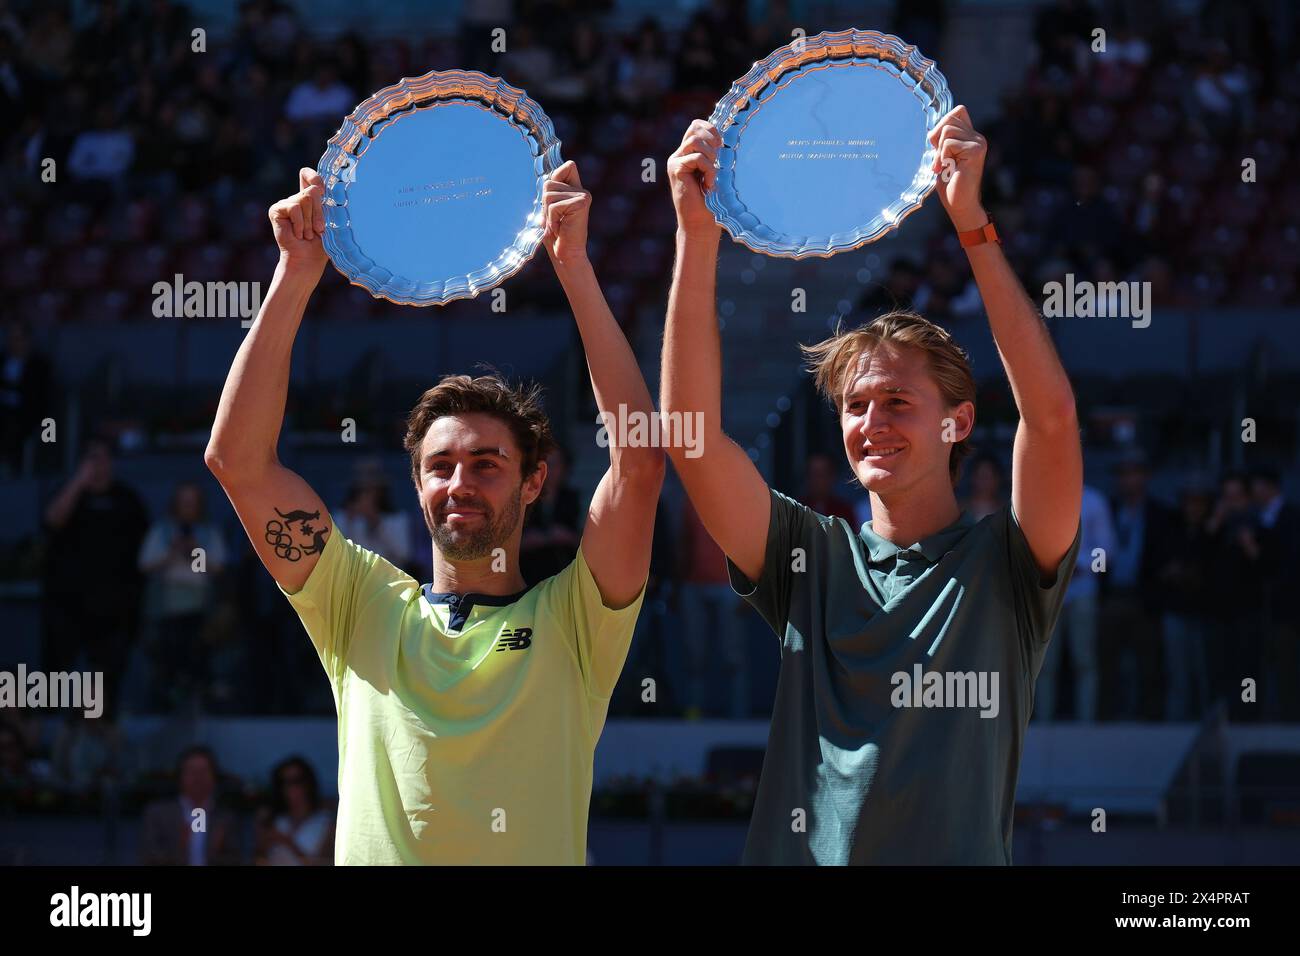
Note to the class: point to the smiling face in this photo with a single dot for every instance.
(472, 494)
(892, 419)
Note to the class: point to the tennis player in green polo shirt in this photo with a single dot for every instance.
(469, 708)
(910, 646)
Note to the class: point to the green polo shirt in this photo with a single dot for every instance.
(906, 685)
(467, 723)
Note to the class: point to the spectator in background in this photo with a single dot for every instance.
(1131, 597)
(24, 394)
(92, 584)
(297, 829)
(49, 43)
(584, 80)
(923, 22)
(87, 753)
(14, 774)
(710, 620)
(1061, 33)
(369, 519)
(322, 99)
(945, 293)
(23, 788)
(1188, 586)
(104, 152)
(183, 595)
(1090, 225)
(643, 72)
(697, 66)
(1279, 562)
(820, 480)
(897, 291)
(1077, 626)
(1236, 656)
(1219, 100)
(190, 829)
(656, 625)
(553, 525)
(988, 488)
(529, 65)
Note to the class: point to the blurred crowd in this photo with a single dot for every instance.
(1128, 164)
(1175, 608)
(1104, 165)
(166, 158)
(196, 815)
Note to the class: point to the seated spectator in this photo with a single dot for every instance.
(87, 753)
(819, 489)
(553, 526)
(947, 293)
(529, 65)
(183, 593)
(896, 292)
(296, 829)
(190, 829)
(323, 98)
(369, 519)
(987, 487)
(104, 152)
(643, 72)
(1220, 99)
(15, 776)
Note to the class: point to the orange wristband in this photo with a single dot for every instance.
(975, 237)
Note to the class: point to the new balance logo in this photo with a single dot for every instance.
(517, 640)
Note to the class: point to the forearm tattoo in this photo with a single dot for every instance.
(293, 535)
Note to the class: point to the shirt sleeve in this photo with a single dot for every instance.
(601, 635)
(332, 600)
(791, 534)
(154, 547)
(1037, 604)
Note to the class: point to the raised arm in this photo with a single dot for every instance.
(619, 532)
(1047, 460)
(283, 517)
(727, 490)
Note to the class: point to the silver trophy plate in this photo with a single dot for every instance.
(824, 143)
(433, 187)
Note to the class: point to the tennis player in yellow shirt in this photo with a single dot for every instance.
(469, 707)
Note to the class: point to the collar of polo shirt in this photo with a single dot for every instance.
(932, 547)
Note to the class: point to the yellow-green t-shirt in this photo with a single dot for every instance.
(467, 726)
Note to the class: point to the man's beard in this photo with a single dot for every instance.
(479, 543)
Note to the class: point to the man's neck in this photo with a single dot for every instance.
(913, 515)
(478, 576)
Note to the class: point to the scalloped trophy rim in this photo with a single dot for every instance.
(341, 152)
(766, 76)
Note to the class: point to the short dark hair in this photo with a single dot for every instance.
(197, 750)
(519, 407)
